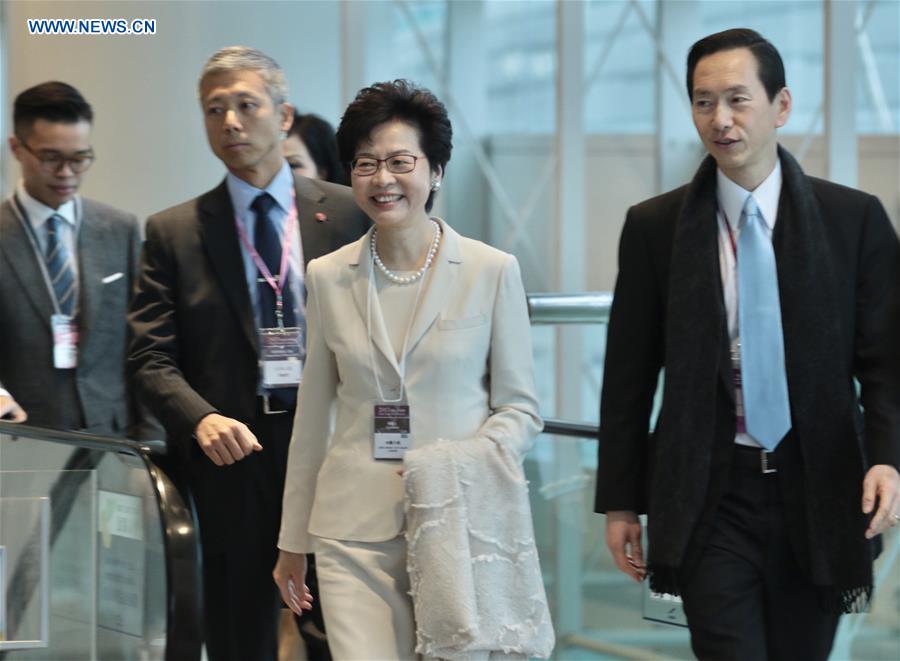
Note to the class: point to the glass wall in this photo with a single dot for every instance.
(878, 68)
(521, 66)
(620, 67)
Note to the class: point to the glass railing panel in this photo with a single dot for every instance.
(50, 563)
(546, 345)
(131, 594)
(597, 610)
(105, 546)
(876, 634)
(543, 342)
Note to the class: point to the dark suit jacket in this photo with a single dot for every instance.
(93, 396)
(195, 348)
(862, 249)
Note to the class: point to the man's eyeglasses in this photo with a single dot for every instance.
(52, 162)
(399, 164)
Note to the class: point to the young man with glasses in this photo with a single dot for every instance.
(67, 266)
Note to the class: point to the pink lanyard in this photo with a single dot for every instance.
(731, 240)
(279, 284)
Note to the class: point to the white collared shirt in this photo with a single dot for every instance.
(731, 198)
(38, 213)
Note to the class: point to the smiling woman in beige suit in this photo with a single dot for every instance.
(413, 315)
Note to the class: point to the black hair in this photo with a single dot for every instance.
(318, 136)
(53, 101)
(404, 101)
(769, 66)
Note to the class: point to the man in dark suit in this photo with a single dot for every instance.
(67, 268)
(220, 292)
(763, 293)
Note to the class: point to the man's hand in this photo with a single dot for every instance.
(290, 577)
(224, 440)
(881, 483)
(623, 537)
(10, 411)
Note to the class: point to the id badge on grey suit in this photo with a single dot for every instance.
(65, 341)
(281, 357)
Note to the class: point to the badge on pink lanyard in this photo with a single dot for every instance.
(281, 348)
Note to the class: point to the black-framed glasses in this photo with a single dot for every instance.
(52, 162)
(366, 166)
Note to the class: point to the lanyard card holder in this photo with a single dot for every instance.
(65, 341)
(281, 356)
(391, 437)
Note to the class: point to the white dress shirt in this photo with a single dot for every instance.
(731, 198)
(37, 213)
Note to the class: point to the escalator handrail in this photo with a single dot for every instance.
(568, 428)
(83, 439)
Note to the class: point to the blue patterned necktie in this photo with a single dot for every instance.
(59, 267)
(764, 379)
(267, 242)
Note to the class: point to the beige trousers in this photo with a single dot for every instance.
(364, 591)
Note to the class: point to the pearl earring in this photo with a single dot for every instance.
(435, 185)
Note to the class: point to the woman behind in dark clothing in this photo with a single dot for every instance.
(311, 149)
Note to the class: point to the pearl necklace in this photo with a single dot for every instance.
(417, 275)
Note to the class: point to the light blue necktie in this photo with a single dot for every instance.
(59, 267)
(764, 381)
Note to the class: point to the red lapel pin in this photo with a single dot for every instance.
(321, 217)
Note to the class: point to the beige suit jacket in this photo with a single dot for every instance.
(468, 375)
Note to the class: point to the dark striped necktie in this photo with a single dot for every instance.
(267, 242)
(59, 267)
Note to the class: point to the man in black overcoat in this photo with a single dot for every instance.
(766, 295)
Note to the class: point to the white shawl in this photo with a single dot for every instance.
(474, 573)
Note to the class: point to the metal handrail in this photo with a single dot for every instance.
(574, 429)
(82, 439)
(582, 308)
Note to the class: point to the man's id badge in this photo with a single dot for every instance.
(65, 341)
(391, 439)
(281, 356)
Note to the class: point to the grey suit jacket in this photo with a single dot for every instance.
(93, 396)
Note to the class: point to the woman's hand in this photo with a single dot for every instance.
(290, 577)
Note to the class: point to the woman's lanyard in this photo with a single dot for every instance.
(373, 295)
(286, 244)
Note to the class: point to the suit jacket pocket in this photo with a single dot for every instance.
(460, 324)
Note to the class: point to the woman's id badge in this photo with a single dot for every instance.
(281, 356)
(391, 439)
(65, 341)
